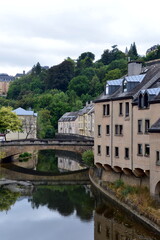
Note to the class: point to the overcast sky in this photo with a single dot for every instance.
(50, 31)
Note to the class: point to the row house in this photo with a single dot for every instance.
(68, 123)
(5, 81)
(86, 120)
(127, 127)
(80, 122)
(29, 125)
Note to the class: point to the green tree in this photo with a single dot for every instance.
(88, 157)
(153, 55)
(36, 69)
(132, 53)
(109, 56)
(113, 74)
(80, 85)
(9, 121)
(59, 76)
(45, 128)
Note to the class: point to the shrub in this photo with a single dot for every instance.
(88, 157)
(118, 183)
(23, 157)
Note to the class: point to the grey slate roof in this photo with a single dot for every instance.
(135, 78)
(148, 80)
(22, 112)
(151, 91)
(86, 109)
(5, 77)
(117, 82)
(69, 116)
(155, 127)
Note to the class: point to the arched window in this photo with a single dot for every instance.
(140, 101)
(146, 104)
(125, 86)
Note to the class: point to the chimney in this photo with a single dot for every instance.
(23, 72)
(134, 68)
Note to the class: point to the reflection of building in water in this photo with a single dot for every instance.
(68, 164)
(107, 228)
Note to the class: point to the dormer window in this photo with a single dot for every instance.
(140, 101)
(125, 86)
(107, 89)
(146, 100)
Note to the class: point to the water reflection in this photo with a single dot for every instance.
(67, 206)
(58, 161)
(65, 199)
(112, 224)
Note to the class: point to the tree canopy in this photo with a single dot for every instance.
(9, 121)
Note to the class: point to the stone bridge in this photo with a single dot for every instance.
(75, 143)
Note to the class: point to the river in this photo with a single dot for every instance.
(64, 212)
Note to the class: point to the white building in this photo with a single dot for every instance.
(68, 123)
(29, 125)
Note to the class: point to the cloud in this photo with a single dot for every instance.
(50, 31)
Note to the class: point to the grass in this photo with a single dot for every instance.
(138, 198)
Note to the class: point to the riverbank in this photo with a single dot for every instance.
(127, 206)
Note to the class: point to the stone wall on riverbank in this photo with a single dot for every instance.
(97, 180)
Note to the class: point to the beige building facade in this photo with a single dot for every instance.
(5, 81)
(125, 140)
(68, 123)
(86, 120)
(29, 125)
(80, 122)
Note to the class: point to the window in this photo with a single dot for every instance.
(107, 151)
(107, 130)
(140, 101)
(99, 149)
(158, 157)
(99, 130)
(116, 152)
(120, 109)
(125, 86)
(147, 150)
(140, 149)
(146, 100)
(106, 110)
(126, 153)
(140, 126)
(127, 109)
(118, 129)
(147, 125)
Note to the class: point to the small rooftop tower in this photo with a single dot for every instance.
(134, 68)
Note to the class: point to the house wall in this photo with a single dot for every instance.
(154, 165)
(29, 129)
(68, 127)
(4, 85)
(112, 140)
(141, 165)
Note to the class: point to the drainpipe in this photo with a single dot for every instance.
(132, 137)
(111, 133)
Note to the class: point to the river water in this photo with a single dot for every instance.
(62, 212)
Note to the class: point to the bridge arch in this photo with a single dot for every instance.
(20, 146)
